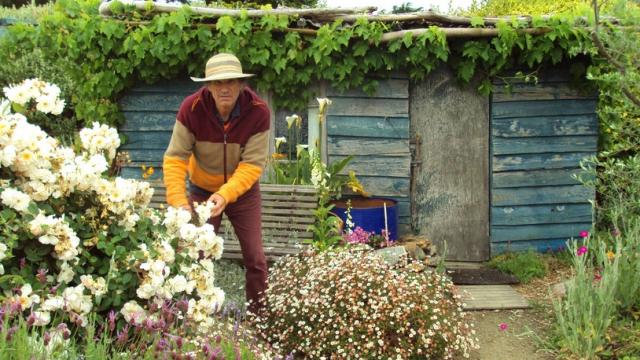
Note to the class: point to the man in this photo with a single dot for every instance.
(220, 140)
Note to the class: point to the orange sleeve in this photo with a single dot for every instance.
(174, 165)
(175, 174)
(252, 161)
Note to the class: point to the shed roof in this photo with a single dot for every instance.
(309, 20)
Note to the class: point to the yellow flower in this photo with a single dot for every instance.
(147, 171)
(610, 255)
(355, 185)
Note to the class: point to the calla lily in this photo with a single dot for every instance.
(322, 105)
(300, 148)
(280, 140)
(293, 119)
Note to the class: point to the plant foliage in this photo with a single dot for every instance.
(106, 56)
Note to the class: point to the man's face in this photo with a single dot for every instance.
(225, 93)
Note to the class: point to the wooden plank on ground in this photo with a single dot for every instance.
(491, 297)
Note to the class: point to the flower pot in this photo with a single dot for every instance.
(369, 214)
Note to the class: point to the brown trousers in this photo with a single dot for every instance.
(246, 217)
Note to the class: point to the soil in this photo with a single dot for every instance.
(526, 330)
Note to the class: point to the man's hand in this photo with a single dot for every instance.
(219, 204)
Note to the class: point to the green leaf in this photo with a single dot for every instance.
(407, 39)
(224, 24)
(477, 21)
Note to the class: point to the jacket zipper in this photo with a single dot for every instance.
(224, 151)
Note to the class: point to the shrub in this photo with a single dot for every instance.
(585, 314)
(350, 304)
(76, 242)
(525, 266)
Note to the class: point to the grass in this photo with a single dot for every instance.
(524, 265)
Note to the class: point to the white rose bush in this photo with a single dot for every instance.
(76, 244)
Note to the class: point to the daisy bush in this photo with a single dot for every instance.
(350, 304)
(75, 242)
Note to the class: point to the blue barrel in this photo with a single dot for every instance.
(368, 213)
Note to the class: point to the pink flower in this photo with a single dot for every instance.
(503, 326)
(597, 277)
(584, 234)
(581, 251)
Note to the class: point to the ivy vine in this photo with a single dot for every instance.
(109, 55)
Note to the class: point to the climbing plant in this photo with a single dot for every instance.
(108, 55)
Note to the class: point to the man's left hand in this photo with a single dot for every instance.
(219, 204)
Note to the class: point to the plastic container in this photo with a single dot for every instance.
(368, 213)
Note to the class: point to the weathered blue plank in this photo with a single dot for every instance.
(149, 121)
(364, 106)
(391, 88)
(182, 86)
(382, 186)
(131, 172)
(541, 214)
(551, 144)
(368, 126)
(339, 145)
(538, 161)
(547, 245)
(152, 101)
(553, 125)
(500, 233)
(158, 140)
(546, 91)
(543, 108)
(541, 195)
(146, 155)
(396, 166)
(535, 178)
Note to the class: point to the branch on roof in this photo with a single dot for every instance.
(217, 12)
(459, 33)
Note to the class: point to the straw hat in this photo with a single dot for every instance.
(222, 66)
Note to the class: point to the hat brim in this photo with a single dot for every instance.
(222, 77)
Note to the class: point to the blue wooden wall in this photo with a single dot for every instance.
(539, 135)
(150, 113)
(375, 130)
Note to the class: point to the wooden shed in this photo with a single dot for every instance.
(483, 173)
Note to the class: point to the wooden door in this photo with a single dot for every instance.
(450, 176)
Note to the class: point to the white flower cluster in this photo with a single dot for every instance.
(55, 231)
(43, 169)
(15, 199)
(45, 95)
(201, 245)
(100, 139)
(73, 300)
(319, 174)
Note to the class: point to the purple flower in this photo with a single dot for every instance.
(503, 326)
(123, 335)
(581, 251)
(584, 234)
(162, 345)
(112, 320)
(42, 275)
